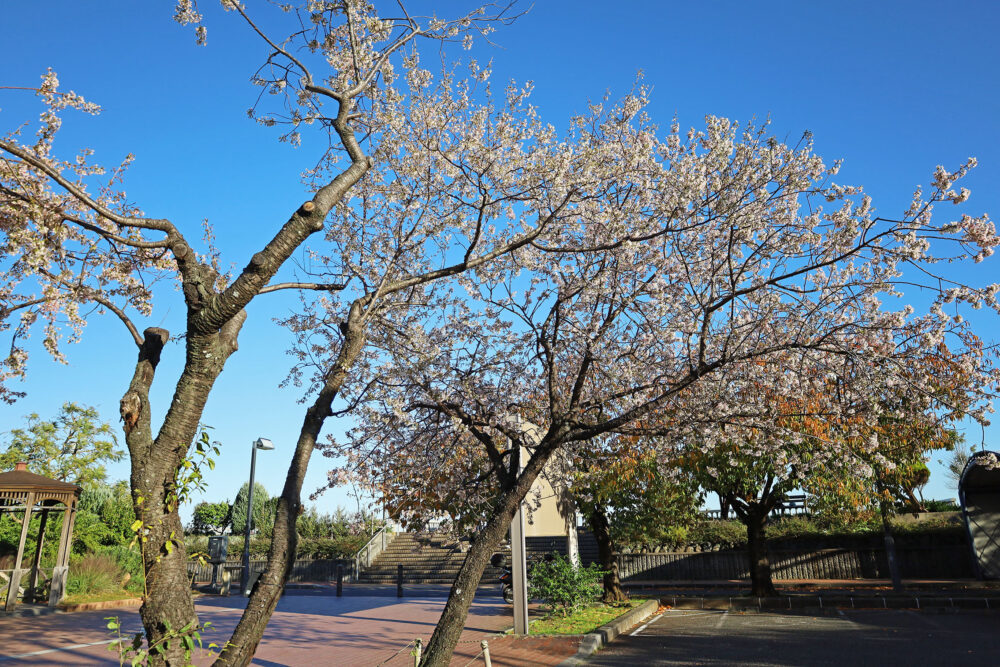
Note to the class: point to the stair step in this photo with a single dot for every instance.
(425, 559)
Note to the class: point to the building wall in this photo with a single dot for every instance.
(542, 517)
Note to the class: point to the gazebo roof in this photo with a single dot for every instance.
(20, 482)
(981, 473)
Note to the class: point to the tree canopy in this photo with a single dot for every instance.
(74, 446)
(480, 282)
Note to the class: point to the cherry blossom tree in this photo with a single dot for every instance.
(626, 498)
(426, 177)
(413, 181)
(734, 260)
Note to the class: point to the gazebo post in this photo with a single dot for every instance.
(36, 565)
(15, 576)
(59, 572)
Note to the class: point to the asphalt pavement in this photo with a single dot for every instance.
(836, 637)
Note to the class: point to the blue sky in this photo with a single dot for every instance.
(893, 88)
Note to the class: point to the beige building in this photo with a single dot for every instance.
(543, 516)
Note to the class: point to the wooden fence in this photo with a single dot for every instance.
(945, 561)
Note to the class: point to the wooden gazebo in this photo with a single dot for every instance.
(979, 494)
(23, 492)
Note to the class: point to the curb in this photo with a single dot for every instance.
(831, 602)
(125, 603)
(607, 633)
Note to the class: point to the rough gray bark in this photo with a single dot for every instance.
(754, 516)
(613, 591)
(442, 643)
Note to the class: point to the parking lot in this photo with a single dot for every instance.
(835, 637)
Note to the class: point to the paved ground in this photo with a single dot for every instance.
(366, 627)
(838, 638)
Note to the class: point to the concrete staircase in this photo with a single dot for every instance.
(427, 558)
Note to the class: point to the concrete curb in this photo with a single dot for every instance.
(37, 610)
(831, 602)
(607, 633)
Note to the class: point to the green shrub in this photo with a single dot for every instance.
(941, 506)
(130, 562)
(727, 534)
(564, 587)
(344, 546)
(94, 573)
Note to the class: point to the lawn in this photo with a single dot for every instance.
(583, 620)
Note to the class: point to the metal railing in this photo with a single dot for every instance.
(372, 548)
(791, 506)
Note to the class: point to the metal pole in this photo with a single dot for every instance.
(519, 572)
(399, 581)
(340, 580)
(245, 575)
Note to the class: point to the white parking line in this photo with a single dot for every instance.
(54, 650)
(676, 613)
(644, 625)
(722, 619)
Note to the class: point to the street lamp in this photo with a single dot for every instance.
(265, 444)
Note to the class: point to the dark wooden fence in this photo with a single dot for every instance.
(929, 557)
(924, 559)
(946, 561)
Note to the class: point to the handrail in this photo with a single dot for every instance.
(369, 550)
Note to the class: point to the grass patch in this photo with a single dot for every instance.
(583, 620)
(102, 596)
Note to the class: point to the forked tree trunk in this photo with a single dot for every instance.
(155, 464)
(761, 582)
(449, 628)
(605, 552)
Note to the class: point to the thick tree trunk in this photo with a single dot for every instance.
(449, 627)
(761, 583)
(723, 507)
(240, 648)
(890, 549)
(605, 552)
(155, 464)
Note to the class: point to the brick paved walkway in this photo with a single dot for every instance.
(310, 629)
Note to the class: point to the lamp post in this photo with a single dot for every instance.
(266, 445)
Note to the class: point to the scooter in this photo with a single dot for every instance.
(506, 578)
(507, 585)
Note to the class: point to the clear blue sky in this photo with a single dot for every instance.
(893, 87)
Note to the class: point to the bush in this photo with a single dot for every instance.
(130, 562)
(563, 586)
(344, 546)
(941, 506)
(94, 573)
(727, 534)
